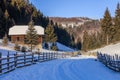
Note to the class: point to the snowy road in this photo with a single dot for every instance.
(68, 69)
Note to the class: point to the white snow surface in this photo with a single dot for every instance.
(62, 47)
(21, 30)
(110, 49)
(9, 47)
(84, 68)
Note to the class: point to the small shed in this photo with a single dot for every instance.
(17, 33)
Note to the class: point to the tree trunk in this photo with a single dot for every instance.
(31, 47)
(48, 45)
(107, 39)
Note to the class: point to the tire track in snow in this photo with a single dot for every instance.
(63, 71)
(82, 69)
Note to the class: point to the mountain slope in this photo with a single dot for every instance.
(111, 49)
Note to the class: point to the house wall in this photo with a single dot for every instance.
(20, 39)
(40, 39)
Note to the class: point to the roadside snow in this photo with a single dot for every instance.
(82, 57)
(64, 69)
(110, 49)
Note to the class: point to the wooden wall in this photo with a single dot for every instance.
(20, 39)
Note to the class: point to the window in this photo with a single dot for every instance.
(18, 38)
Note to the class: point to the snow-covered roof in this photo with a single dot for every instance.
(21, 30)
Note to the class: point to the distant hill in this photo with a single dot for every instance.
(77, 25)
(70, 22)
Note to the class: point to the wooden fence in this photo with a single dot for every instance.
(112, 62)
(10, 63)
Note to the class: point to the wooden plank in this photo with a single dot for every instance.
(0, 62)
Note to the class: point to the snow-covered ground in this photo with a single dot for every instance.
(62, 47)
(9, 47)
(110, 49)
(84, 68)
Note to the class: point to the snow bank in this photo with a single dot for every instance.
(82, 57)
(110, 49)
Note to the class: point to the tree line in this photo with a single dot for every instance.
(109, 32)
(19, 12)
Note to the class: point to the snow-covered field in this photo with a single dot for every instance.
(4, 49)
(110, 49)
(63, 47)
(9, 47)
(84, 68)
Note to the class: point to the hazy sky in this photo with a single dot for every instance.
(75, 8)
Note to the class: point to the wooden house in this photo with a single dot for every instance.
(17, 33)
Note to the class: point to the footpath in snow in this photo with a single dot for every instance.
(82, 68)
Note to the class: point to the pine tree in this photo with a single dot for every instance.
(6, 20)
(5, 40)
(78, 44)
(18, 12)
(6, 14)
(106, 25)
(117, 23)
(54, 47)
(50, 36)
(31, 35)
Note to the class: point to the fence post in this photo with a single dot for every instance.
(32, 57)
(62, 55)
(24, 58)
(49, 55)
(38, 56)
(8, 60)
(15, 60)
(0, 62)
(54, 55)
(45, 56)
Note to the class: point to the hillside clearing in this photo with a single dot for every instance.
(110, 49)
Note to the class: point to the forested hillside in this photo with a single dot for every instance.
(90, 34)
(19, 12)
